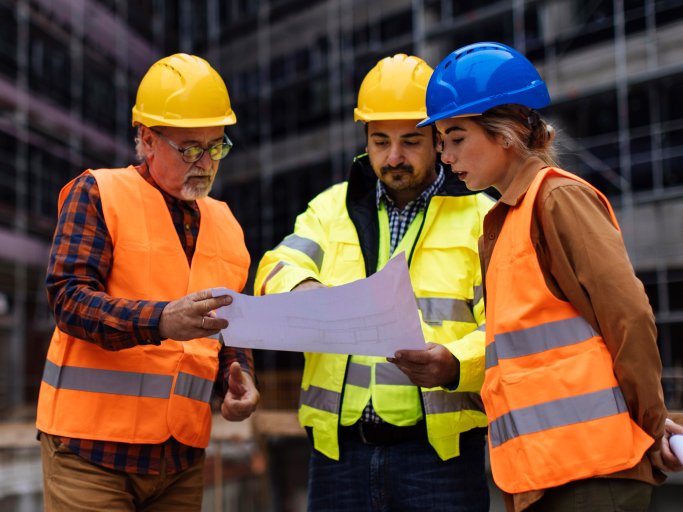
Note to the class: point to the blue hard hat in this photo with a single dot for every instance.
(481, 76)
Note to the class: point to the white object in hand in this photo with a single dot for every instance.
(676, 443)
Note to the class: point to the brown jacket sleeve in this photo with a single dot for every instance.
(585, 261)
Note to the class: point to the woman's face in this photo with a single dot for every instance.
(475, 157)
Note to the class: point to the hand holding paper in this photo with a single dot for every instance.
(373, 316)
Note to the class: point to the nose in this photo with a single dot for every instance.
(205, 161)
(447, 157)
(395, 156)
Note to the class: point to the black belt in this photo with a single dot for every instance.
(383, 433)
(386, 433)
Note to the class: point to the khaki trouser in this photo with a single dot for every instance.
(72, 484)
(596, 495)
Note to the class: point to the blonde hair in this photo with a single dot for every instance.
(526, 131)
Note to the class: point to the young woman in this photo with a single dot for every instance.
(572, 385)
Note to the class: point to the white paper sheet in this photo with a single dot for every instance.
(676, 443)
(374, 316)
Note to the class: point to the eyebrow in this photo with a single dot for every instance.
(403, 136)
(454, 128)
(217, 140)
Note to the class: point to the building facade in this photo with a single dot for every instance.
(69, 70)
(613, 69)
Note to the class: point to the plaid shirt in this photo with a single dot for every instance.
(399, 222)
(80, 259)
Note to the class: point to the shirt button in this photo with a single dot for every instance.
(492, 236)
(187, 227)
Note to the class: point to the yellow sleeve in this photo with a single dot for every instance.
(300, 255)
(470, 349)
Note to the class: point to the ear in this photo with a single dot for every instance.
(147, 139)
(504, 141)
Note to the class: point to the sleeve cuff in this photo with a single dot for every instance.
(469, 351)
(288, 278)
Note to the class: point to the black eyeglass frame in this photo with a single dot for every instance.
(224, 146)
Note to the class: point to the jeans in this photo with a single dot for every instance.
(406, 476)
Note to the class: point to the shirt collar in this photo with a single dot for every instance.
(421, 200)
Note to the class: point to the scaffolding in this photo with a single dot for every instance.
(69, 70)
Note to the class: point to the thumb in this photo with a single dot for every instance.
(237, 380)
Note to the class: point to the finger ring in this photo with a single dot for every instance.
(203, 318)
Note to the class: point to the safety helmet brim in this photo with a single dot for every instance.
(204, 122)
(358, 115)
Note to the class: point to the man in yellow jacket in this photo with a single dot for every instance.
(124, 406)
(404, 434)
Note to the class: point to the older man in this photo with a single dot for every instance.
(124, 407)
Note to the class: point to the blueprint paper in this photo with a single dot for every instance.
(375, 316)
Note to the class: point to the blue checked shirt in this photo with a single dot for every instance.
(399, 222)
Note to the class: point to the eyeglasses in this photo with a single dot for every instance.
(193, 154)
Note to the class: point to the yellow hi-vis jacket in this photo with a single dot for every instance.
(556, 409)
(342, 237)
(144, 394)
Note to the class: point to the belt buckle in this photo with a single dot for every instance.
(361, 433)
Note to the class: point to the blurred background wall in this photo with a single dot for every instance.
(69, 70)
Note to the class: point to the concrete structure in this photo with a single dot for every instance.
(614, 69)
(69, 70)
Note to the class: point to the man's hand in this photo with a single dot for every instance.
(193, 316)
(429, 368)
(308, 284)
(242, 396)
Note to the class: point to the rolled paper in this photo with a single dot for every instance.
(676, 443)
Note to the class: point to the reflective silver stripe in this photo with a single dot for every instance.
(437, 402)
(321, 399)
(359, 375)
(558, 413)
(537, 339)
(113, 382)
(386, 374)
(437, 309)
(482, 328)
(309, 247)
(193, 387)
(478, 294)
(390, 374)
(490, 357)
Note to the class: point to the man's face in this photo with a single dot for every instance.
(403, 158)
(182, 180)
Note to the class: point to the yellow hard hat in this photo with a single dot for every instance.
(184, 91)
(394, 89)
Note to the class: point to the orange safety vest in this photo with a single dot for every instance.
(147, 393)
(555, 409)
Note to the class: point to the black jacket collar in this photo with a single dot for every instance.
(362, 208)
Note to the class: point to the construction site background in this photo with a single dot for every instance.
(69, 70)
